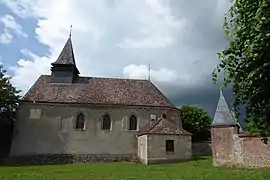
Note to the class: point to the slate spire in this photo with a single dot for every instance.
(223, 115)
(67, 55)
(64, 69)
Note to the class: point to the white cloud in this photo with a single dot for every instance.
(5, 37)
(28, 71)
(10, 27)
(159, 75)
(23, 8)
(118, 38)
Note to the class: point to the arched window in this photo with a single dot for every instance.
(133, 122)
(80, 121)
(106, 122)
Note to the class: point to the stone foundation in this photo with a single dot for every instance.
(72, 158)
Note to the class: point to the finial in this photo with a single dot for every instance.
(70, 28)
(149, 70)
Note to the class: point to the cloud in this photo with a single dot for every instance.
(158, 75)
(28, 71)
(10, 27)
(120, 38)
(5, 38)
(22, 8)
(158, 28)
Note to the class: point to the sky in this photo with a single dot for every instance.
(120, 38)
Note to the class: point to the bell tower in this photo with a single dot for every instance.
(64, 69)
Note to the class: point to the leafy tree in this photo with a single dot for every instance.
(196, 121)
(8, 96)
(246, 60)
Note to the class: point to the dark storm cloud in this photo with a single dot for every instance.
(205, 20)
(205, 95)
(204, 33)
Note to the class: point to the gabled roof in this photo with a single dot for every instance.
(94, 90)
(66, 56)
(164, 127)
(223, 115)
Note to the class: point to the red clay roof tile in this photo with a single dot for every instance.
(94, 90)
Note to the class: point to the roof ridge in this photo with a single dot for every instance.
(117, 78)
(161, 94)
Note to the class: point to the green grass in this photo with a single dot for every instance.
(195, 170)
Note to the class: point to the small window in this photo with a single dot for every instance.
(80, 122)
(164, 116)
(106, 122)
(169, 145)
(133, 122)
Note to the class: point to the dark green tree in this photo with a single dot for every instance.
(246, 60)
(9, 96)
(196, 121)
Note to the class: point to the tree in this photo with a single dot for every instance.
(196, 121)
(8, 96)
(246, 60)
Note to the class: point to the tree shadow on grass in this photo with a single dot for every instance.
(199, 158)
(194, 159)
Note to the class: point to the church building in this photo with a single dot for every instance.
(65, 117)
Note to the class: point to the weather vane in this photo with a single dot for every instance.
(149, 71)
(70, 28)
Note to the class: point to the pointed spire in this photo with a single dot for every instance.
(64, 69)
(66, 56)
(223, 115)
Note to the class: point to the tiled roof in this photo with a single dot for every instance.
(93, 90)
(164, 127)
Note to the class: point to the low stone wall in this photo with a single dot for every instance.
(240, 150)
(72, 158)
(250, 151)
(201, 148)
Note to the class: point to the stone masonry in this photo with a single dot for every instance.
(230, 146)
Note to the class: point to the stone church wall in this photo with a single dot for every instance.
(49, 129)
(234, 149)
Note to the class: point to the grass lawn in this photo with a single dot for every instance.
(195, 170)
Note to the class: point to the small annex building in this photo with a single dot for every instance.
(163, 142)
